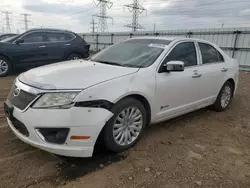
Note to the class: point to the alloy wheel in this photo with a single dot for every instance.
(226, 96)
(127, 126)
(3, 66)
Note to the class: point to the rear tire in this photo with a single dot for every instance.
(125, 128)
(224, 98)
(5, 66)
(74, 56)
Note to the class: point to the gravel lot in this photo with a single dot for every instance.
(200, 149)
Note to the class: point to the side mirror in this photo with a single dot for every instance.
(174, 66)
(19, 41)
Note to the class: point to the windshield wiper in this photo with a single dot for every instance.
(109, 63)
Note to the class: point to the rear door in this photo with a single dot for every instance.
(59, 44)
(213, 72)
(32, 52)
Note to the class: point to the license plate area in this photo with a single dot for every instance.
(18, 125)
(8, 110)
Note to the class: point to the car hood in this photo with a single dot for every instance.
(5, 45)
(77, 74)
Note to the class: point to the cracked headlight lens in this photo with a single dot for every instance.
(56, 100)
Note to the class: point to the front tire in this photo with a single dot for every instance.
(125, 128)
(5, 66)
(224, 98)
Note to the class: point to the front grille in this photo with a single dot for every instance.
(19, 98)
(20, 127)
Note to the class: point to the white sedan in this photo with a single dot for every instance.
(64, 108)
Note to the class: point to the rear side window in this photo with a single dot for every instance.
(33, 37)
(56, 37)
(209, 54)
(69, 36)
(184, 52)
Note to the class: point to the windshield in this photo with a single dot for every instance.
(8, 39)
(3, 37)
(132, 53)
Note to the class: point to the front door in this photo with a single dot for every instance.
(32, 52)
(178, 92)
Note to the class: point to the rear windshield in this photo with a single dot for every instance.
(133, 53)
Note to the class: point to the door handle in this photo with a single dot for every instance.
(67, 44)
(224, 70)
(42, 46)
(196, 75)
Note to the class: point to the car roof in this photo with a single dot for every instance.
(8, 34)
(50, 29)
(176, 39)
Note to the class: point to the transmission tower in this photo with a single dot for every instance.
(93, 27)
(26, 21)
(7, 19)
(137, 9)
(104, 5)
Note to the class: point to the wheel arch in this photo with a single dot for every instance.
(144, 102)
(231, 80)
(6, 56)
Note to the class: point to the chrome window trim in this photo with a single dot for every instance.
(44, 32)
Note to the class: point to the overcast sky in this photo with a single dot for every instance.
(76, 15)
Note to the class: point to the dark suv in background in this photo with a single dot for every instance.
(38, 47)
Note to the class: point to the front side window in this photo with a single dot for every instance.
(132, 53)
(209, 54)
(33, 38)
(56, 37)
(184, 52)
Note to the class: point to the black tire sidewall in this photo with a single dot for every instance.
(9, 66)
(217, 105)
(74, 55)
(108, 129)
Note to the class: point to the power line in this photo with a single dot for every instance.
(137, 9)
(26, 20)
(93, 27)
(7, 19)
(104, 4)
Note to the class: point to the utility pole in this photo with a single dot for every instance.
(26, 21)
(222, 25)
(104, 4)
(137, 9)
(154, 27)
(7, 19)
(93, 27)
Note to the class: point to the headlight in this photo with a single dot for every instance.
(55, 100)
